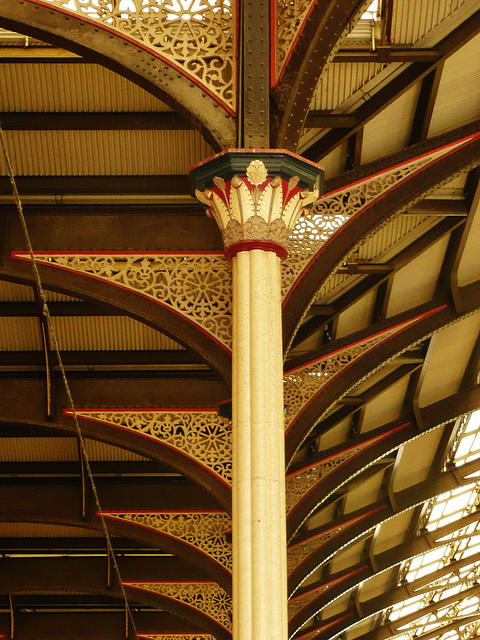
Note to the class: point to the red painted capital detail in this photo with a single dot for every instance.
(256, 210)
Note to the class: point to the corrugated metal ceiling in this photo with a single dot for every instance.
(412, 19)
(81, 153)
(84, 333)
(70, 87)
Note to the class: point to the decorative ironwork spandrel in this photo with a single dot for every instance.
(196, 286)
(335, 209)
(301, 482)
(204, 530)
(300, 551)
(297, 603)
(303, 384)
(196, 37)
(207, 597)
(201, 435)
(289, 20)
(176, 636)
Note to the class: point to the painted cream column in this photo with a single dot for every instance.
(256, 198)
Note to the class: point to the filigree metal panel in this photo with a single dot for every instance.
(176, 636)
(195, 286)
(206, 597)
(335, 209)
(204, 530)
(288, 19)
(299, 552)
(196, 37)
(301, 482)
(303, 384)
(295, 605)
(200, 435)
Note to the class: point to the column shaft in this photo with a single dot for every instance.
(259, 538)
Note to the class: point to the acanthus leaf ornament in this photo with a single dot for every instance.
(256, 208)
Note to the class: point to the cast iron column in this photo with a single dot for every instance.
(256, 199)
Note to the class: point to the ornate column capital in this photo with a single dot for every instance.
(256, 197)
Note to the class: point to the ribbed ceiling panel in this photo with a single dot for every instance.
(340, 81)
(39, 530)
(412, 19)
(459, 92)
(102, 452)
(43, 153)
(380, 138)
(20, 334)
(108, 333)
(11, 292)
(38, 449)
(70, 87)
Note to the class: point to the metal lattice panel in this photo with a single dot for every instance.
(196, 286)
(335, 209)
(300, 551)
(206, 597)
(196, 38)
(176, 636)
(306, 382)
(296, 604)
(204, 530)
(301, 482)
(201, 435)
(289, 20)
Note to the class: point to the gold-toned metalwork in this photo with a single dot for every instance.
(196, 286)
(207, 597)
(296, 604)
(303, 384)
(176, 636)
(196, 37)
(301, 482)
(201, 435)
(204, 530)
(335, 209)
(299, 552)
(290, 19)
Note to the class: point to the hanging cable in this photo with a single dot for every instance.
(56, 349)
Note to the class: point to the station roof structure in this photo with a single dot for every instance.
(105, 104)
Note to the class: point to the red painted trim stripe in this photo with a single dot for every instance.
(152, 52)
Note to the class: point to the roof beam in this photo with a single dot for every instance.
(93, 121)
(88, 575)
(90, 624)
(425, 105)
(347, 237)
(414, 72)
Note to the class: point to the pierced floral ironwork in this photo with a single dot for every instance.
(289, 18)
(204, 530)
(296, 604)
(196, 37)
(303, 384)
(300, 483)
(201, 435)
(196, 286)
(299, 552)
(207, 597)
(335, 209)
(176, 636)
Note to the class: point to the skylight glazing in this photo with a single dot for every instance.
(445, 581)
